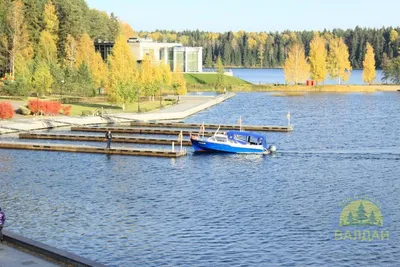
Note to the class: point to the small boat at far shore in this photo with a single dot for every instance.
(232, 142)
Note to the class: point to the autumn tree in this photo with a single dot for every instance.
(43, 79)
(296, 67)
(126, 30)
(165, 77)
(146, 76)
(338, 63)
(71, 49)
(20, 48)
(123, 75)
(220, 83)
(369, 73)
(50, 20)
(47, 48)
(178, 84)
(317, 58)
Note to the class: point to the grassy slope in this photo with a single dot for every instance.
(210, 79)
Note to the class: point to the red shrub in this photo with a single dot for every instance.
(67, 110)
(6, 110)
(44, 107)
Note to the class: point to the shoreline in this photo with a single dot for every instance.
(190, 105)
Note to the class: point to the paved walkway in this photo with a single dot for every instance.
(188, 106)
(11, 257)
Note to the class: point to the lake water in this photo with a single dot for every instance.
(223, 210)
(273, 76)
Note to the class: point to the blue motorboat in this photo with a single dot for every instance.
(232, 142)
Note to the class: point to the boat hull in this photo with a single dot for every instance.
(200, 145)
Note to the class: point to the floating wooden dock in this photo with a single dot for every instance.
(128, 130)
(212, 126)
(97, 150)
(93, 138)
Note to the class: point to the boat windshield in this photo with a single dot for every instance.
(247, 138)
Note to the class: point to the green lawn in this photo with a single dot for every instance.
(210, 79)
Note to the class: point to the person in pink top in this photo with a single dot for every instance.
(2, 220)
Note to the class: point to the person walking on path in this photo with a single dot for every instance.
(2, 220)
(108, 137)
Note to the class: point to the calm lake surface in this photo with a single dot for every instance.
(223, 210)
(271, 76)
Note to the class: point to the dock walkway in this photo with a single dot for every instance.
(92, 149)
(97, 138)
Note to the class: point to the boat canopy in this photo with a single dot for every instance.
(247, 138)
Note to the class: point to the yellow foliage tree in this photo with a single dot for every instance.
(99, 71)
(166, 77)
(71, 49)
(85, 52)
(393, 36)
(178, 83)
(50, 20)
(20, 47)
(338, 63)
(127, 30)
(47, 48)
(147, 76)
(123, 84)
(369, 73)
(317, 58)
(296, 67)
(42, 78)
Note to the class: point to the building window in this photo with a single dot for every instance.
(171, 58)
(180, 61)
(193, 61)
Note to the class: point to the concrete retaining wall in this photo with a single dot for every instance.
(48, 252)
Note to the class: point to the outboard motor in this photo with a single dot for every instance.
(272, 149)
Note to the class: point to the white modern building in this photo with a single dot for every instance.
(178, 57)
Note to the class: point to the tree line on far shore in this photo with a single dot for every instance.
(271, 50)
(47, 47)
(329, 56)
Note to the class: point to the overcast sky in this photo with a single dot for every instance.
(251, 15)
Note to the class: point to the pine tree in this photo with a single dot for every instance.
(317, 58)
(361, 213)
(350, 219)
(296, 67)
(85, 80)
(372, 219)
(369, 73)
(338, 63)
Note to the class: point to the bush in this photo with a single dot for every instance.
(6, 110)
(39, 107)
(66, 110)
